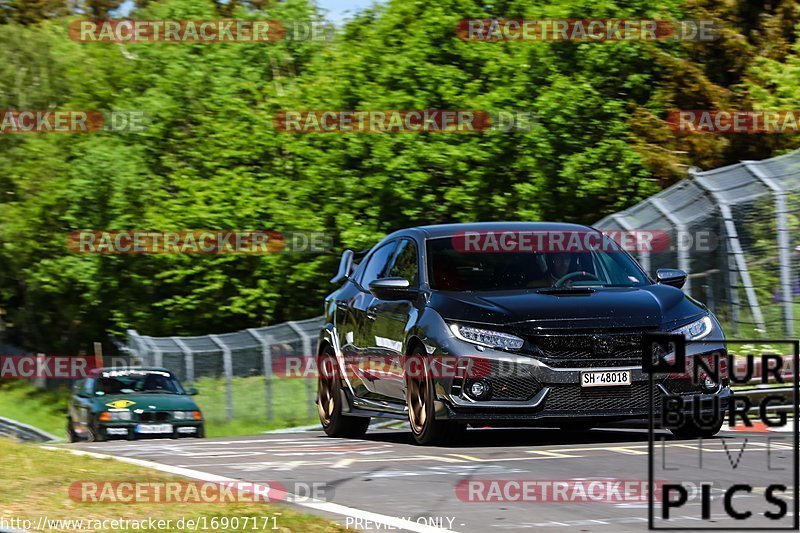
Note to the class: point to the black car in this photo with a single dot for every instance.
(430, 328)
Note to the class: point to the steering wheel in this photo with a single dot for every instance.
(580, 274)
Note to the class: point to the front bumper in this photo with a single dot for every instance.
(128, 430)
(534, 393)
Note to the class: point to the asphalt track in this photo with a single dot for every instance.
(386, 475)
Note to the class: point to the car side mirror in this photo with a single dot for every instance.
(84, 394)
(192, 391)
(671, 276)
(392, 289)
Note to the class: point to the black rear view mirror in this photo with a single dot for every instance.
(671, 276)
(392, 289)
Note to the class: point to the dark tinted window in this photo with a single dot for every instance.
(378, 264)
(404, 264)
(127, 382)
(454, 269)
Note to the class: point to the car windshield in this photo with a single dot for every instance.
(140, 381)
(491, 264)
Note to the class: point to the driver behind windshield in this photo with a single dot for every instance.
(558, 265)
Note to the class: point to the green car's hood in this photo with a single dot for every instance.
(145, 402)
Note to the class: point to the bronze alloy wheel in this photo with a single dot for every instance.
(334, 420)
(421, 402)
(418, 395)
(325, 403)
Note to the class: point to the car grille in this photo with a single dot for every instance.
(157, 416)
(514, 388)
(588, 350)
(576, 398)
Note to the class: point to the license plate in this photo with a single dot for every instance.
(606, 378)
(154, 428)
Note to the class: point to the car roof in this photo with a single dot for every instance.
(98, 371)
(449, 230)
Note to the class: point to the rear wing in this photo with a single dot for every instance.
(348, 265)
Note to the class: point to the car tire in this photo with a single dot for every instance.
(201, 432)
(71, 435)
(691, 429)
(94, 434)
(420, 399)
(329, 402)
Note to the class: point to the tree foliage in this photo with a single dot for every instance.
(211, 159)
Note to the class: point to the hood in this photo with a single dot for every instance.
(148, 402)
(651, 306)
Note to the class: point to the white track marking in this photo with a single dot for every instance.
(328, 507)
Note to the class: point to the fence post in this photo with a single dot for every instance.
(158, 356)
(307, 352)
(188, 359)
(137, 346)
(266, 353)
(784, 248)
(227, 363)
(680, 229)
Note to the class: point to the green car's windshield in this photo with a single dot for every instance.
(137, 381)
(451, 267)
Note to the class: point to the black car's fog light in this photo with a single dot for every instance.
(480, 389)
(709, 384)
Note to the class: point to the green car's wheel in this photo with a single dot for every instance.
(71, 435)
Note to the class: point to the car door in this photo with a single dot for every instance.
(367, 374)
(392, 318)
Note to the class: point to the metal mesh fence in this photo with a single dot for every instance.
(234, 371)
(733, 229)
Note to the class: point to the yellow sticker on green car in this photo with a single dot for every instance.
(120, 404)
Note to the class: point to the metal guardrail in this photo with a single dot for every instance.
(24, 432)
(241, 354)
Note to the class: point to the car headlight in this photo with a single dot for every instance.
(486, 337)
(186, 415)
(114, 416)
(697, 329)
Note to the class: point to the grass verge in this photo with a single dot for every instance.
(43, 409)
(38, 486)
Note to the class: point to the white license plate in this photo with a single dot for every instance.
(154, 428)
(609, 378)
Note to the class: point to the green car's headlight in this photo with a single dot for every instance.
(697, 329)
(486, 337)
(115, 416)
(186, 415)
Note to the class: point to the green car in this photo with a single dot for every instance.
(132, 403)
